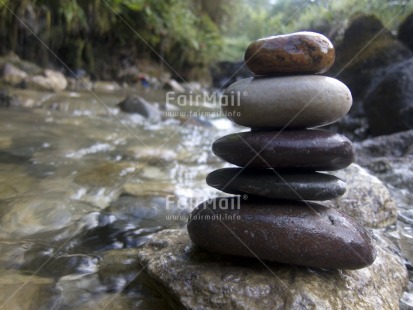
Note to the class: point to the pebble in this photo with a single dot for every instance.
(298, 149)
(292, 232)
(277, 185)
(300, 101)
(307, 52)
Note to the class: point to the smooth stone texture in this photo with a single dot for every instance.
(298, 149)
(277, 185)
(194, 279)
(307, 52)
(290, 101)
(367, 199)
(292, 232)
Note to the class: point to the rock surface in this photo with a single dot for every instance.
(308, 52)
(298, 149)
(7, 100)
(13, 75)
(194, 279)
(290, 101)
(367, 199)
(389, 107)
(138, 105)
(279, 185)
(390, 158)
(50, 80)
(292, 232)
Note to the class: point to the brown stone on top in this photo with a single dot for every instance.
(300, 52)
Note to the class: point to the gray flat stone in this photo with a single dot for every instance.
(299, 101)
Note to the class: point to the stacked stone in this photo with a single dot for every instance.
(274, 216)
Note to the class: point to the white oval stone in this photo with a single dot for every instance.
(289, 101)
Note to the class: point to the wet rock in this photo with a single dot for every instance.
(367, 48)
(105, 86)
(7, 100)
(148, 188)
(405, 31)
(50, 80)
(298, 52)
(138, 105)
(290, 101)
(194, 279)
(390, 159)
(225, 73)
(13, 75)
(299, 149)
(278, 185)
(389, 106)
(367, 199)
(291, 232)
(174, 86)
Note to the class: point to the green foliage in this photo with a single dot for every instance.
(262, 18)
(184, 32)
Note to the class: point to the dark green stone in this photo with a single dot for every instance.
(280, 185)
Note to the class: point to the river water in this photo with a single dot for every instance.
(83, 186)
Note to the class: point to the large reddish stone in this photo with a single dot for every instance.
(292, 232)
(300, 52)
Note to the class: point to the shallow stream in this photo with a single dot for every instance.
(82, 186)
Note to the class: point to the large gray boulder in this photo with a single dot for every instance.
(190, 278)
(12, 75)
(389, 106)
(366, 199)
(390, 158)
(138, 105)
(50, 80)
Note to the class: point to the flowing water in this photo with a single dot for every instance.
(83, 186)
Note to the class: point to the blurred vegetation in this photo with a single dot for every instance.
(97, 34)
(260, 18)
(187, 33)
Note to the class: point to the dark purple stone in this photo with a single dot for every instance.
(279, 185)
(297, 149)
(292, 232)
